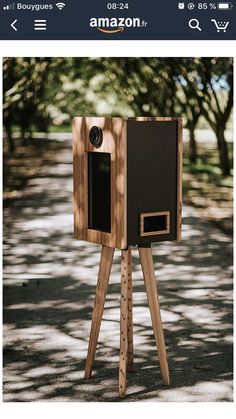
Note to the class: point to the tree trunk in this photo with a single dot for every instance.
(223, 151)
(22, 135)
(11, 143)
(192, 146)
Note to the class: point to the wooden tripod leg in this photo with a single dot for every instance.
(125, 260)
(130, 355)
(145, 255)
(102, 284)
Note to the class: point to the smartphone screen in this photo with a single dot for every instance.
(70, 65)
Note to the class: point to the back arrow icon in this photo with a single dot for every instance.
(12, 25)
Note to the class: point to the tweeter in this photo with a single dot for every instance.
(95, 136)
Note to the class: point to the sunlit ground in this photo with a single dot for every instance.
(49, 287)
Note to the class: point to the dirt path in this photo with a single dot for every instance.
(49, 288)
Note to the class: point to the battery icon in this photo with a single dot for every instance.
(224, 6)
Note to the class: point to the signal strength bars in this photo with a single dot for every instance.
(9, 6)
(40, 24)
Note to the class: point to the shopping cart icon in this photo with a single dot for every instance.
(220, 26)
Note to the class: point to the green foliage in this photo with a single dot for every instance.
(40, 92)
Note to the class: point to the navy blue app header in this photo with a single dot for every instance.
(104, 20)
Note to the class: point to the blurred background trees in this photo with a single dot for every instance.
(44, 94)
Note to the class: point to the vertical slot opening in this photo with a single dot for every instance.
(99, 191)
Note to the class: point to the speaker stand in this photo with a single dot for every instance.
(126, 316)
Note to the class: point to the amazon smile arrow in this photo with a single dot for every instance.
(120, 29)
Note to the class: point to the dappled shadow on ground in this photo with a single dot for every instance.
(49, 287)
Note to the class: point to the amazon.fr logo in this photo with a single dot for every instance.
(114, 25)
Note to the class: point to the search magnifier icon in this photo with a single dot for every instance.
(194, 24)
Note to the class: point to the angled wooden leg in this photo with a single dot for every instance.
(102, 284)
(130, 355)
(146, 259)
(125, 259)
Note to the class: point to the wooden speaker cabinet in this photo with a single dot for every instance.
(127, 180)
(127, 192)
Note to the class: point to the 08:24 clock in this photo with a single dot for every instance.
(117, 6)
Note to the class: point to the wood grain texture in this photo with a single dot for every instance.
(125, 273)
(145, 255)
(154, 118)
(114, 142)
(130, 349)
(102, 284)
(78, 176)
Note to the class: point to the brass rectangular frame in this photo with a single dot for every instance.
(153, 214)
